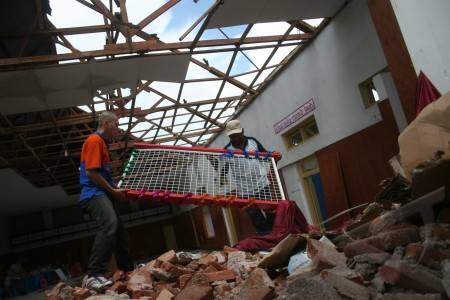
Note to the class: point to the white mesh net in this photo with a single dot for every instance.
(198, 173)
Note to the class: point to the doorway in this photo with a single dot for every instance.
(312, 185)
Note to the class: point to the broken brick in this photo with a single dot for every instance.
(164, 285)
(195, 293)
(220, 257)
(169, 256)
(118, 276)
(193, 265)
(218, 266)
(429, 254)
(81, 293)
(161, 274)
(119, 287)
(346, 287)
(435, 232)
(258, 286)
(167, 272)
(165, 295)
(241, 264)
(411, 277)
(381, 242)
(372, 258)
(227, 250)
(300, 287)
(148, 266)
(141, 276)
(235, 259)
(221, 290)
(210, 269)
(400, 236)
(199, 279)
(359, 247)
(221, 275)
(183, 280)
(138, 290)
(198, 288)
(324, 255)
(207, 260)
(381, 223)
(53, 293)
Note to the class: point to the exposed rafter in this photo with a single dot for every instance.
(45, 146)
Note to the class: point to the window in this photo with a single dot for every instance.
(302, 132)
(369, 93)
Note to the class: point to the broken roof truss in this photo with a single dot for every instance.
(45, 145)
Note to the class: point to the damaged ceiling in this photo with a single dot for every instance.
(179, 91)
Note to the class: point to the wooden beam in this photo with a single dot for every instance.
(187, 108)
(84, 118)
(303, 26)
(230, 66)
(55, 31)
(152, 46)
(150, 18)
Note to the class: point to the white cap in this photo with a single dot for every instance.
(234, 126)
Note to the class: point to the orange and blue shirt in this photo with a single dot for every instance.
(95, 157)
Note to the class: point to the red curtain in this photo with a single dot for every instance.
(426, 92)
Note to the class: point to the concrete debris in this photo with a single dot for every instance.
(308, 288)
(346, 287)
(169, 256)
(395, 236)
(258, 286)
(242, 263)
(411, 277)
(371, 212)
(165, 295)
(436, 232)
(372, 258)
(324, 255)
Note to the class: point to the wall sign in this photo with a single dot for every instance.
(295, 116)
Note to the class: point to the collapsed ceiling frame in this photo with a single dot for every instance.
(45, 146)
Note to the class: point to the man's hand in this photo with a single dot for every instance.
(277, 153)
(119, 194)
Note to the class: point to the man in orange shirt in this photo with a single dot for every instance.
(99, 196)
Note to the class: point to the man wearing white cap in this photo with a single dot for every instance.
(250, 176)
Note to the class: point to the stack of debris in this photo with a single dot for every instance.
(384, 253)
(397, 261)
(228, 274)
(385, 258)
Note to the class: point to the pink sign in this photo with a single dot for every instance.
(295, 116)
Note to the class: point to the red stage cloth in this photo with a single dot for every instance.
(288, 219)
(426, 92)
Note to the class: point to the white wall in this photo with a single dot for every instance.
(425, 28)
(345, 53)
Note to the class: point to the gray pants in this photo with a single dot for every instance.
(111, 237)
